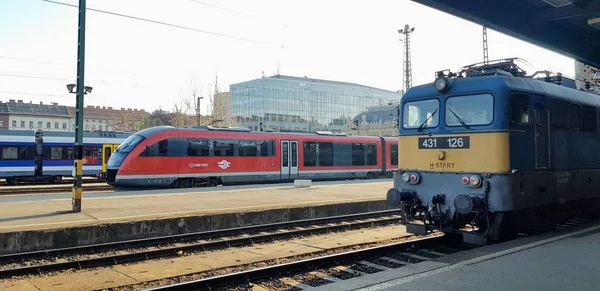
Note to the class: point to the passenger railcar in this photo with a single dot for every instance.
(207, 156)
(18, 154)
(489, 152)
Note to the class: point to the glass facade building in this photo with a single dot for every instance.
(302, 104)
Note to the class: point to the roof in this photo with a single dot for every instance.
(563, 29)
(306, 79)
(19, 107)
(505, 84)
(97, 112)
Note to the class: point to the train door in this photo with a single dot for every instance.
(289, 159)
(107, 151)
(541, 136)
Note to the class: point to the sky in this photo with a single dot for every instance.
(136, 64)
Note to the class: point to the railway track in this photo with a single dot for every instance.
(334, 267)
(80, 257)
(322, 272)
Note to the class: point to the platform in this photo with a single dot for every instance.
(563, 261)
(37, 222)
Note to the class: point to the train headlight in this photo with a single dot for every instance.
(406, 177)
(475, 181)
(411, 178)
(441, 84)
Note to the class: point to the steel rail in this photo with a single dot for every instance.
(302, 265)
(175, 250)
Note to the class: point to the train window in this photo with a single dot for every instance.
(358, 154)
(263, 148)
(342, 154)
(90, 156)
(197, 148)
(310, 154)
(471, 110)
(325, 154)
(417, 113)
(589, 117)
(561, 115)
(163, 148)
(128, 144)
(519, 109)
(224, 148)
(394, 155)
(14, 153)
(576, 116)
(371, 155)
(56, 153)
(294, 146)
(247, 148)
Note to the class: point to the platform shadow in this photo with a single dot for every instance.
(26, 217)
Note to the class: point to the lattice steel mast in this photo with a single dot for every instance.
(407, 74)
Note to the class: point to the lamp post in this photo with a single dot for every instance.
(78, 164)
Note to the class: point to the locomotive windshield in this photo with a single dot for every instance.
(421, 114)
(469, 110)
(128, 144)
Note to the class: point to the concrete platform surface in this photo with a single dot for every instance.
(142, 205)
(568, 262)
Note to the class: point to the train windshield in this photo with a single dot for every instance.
(128, 144)
(421, 114)
(470, 110)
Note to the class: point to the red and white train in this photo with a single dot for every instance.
(188, 157)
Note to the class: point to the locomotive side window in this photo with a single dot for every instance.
(197, 148)
(394, 154)
(576, 116)
(561, 114)
(519, 109)
(589, 118)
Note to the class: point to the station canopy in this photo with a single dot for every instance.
(568, 27)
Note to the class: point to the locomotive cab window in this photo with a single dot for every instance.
(519, 109)
(470, 110)
(421, 114)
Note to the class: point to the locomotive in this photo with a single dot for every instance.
(489, 152)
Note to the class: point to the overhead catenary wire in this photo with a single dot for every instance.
(154, 21)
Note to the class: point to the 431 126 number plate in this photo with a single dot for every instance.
(455, 142)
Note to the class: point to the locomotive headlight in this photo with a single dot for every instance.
(475, 181)
(406, 177)
(441, 84)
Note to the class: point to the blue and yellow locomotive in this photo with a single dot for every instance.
(490, 152)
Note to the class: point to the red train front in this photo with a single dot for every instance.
(190, 157)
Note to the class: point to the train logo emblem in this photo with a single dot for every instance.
(224, 164)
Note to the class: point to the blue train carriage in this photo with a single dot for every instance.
(489, 152)
(18, 155)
